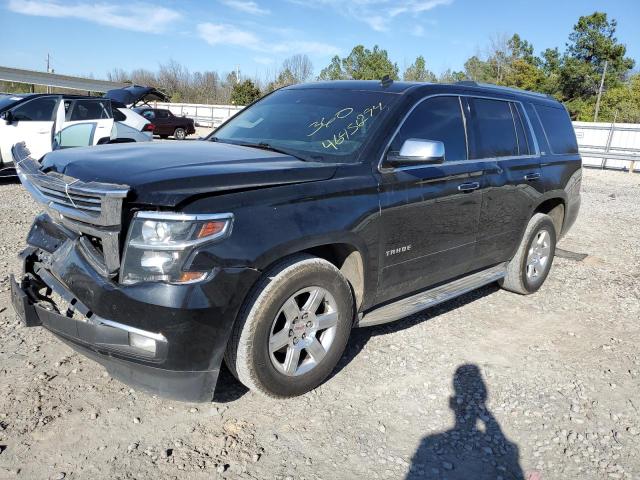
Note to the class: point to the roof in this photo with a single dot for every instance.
(424, 87)
(372, 85)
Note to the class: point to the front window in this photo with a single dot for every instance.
(311, 124)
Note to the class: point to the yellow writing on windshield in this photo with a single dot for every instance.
(341, 135)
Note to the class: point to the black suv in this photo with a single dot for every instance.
(318, 208)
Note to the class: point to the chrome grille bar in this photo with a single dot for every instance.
(89, 208)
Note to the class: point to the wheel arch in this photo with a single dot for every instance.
(555, 207)
(347, 256)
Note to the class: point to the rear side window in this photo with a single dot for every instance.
(558, 129)
(37, 110)
(439, 119)
(162, 113)
(90, 110)
(493, 130)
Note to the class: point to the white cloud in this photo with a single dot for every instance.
(417, 31)
(139, 17)
(376, 13)
(246, 6)
(226, 34)
(264, 60)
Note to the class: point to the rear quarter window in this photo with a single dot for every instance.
(558, 129)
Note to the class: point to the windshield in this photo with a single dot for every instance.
(311, 124)
(8, 100)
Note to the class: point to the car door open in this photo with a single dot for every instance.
(97, 111)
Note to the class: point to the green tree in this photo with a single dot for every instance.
(591, 44)
(477, 70)
(284, 78)
(450, 76)
(360, 64)
(244, 93)
(417, 72)
(620, 104)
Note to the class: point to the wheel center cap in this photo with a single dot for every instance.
(298, 328)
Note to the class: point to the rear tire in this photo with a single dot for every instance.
(179, 133)
(293, 328)
(528, 269)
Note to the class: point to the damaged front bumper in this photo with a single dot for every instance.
(162, 338)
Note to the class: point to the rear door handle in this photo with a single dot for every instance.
(468, 187)
(532, 176)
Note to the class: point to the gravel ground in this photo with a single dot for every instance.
(491, 385)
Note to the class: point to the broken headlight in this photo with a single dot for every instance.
(160, 244)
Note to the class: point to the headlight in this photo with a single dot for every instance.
(159, 245)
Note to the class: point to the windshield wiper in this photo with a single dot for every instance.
(266, 146)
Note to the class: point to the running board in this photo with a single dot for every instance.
(416, 303)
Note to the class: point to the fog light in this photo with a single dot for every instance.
(143, 343)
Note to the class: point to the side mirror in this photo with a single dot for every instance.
(416, 151)
(7, 117)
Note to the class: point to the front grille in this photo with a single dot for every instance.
(92, 209)
(87, 203)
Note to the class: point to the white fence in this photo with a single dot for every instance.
(204, 115)
(609, 145)
(602, 145)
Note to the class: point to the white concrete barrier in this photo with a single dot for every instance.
(609, 145)
(204, 115)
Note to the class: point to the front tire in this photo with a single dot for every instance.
(528, 269)
(293, 329)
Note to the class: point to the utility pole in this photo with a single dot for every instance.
(48, 70)
(237, 73)
(604, 72)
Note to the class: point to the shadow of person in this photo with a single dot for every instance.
(475, 448)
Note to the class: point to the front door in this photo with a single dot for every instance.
(429, 213)
(32, 123)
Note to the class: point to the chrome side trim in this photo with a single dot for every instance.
(429, 298)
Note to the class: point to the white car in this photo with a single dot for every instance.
(50, 121)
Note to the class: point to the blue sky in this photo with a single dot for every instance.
(94, 36)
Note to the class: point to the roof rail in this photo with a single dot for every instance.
(471, 83)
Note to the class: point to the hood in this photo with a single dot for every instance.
(165, 174)
(136, 93)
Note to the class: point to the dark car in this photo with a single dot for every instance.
(319, 208)
(166, 123)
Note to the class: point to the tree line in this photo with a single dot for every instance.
(573, 75)
(593, 55)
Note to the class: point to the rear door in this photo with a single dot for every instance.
(97, 111)
(33, 123)
(499, 132)
(429, 213)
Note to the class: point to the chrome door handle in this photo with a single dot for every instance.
(468, 187)
(532, 176)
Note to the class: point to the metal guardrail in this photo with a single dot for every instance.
(33, 77)
(609, 145)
